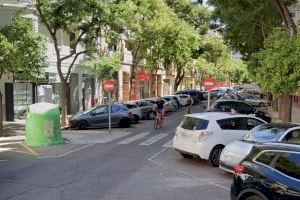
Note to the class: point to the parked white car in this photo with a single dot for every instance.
(182, 99)
(206, 134)
(236, 151)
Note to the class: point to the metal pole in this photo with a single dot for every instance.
(208, 100)
(109, 112)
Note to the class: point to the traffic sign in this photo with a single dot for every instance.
(142, 76)
(109, 85)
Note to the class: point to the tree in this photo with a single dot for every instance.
(279, 67)
(249, 23)
(22, 51)
(245, 24)
(87, 19)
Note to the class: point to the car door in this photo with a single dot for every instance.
(292, 136)
(116, 114)
(99, 116)
(232, 129)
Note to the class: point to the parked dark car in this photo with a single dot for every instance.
(196, 95)
(270, 171)
(97, 117)
(239, 107)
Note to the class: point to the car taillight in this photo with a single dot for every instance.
(239, 169)
(204, 135)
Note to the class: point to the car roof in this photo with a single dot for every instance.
(217, 115)
(278, 146)
(286, 125)
(230, 100)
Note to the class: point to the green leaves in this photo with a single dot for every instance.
(106, 66)
(22, 49)
(278, 64)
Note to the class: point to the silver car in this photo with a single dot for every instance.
(255, 101)
(97, 117)
(146, 108)
(135, 109)
(236, 151)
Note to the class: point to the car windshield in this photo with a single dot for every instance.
(89, 110)
(264, 133)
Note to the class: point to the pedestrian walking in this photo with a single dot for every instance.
(189, 105)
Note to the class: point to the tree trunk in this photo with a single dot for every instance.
(1, 116)
(178, 79)
(64, 105)
(285, 108)
(275, 104)
(132, 76)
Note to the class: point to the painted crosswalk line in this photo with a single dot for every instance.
(134, 138)
(154, 139)
(169, 144)
(94, 137)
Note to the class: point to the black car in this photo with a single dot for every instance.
(239, 107)
(270, 171)
(196, 95)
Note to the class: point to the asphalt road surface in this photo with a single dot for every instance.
(137, 163)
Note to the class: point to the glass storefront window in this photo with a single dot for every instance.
(22, 98)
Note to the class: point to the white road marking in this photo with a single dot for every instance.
(3, 160)
(5, 149)
(94, 137)
(134, 138)
(151, 159)
(169, 144)
(154, 139)
(65, 154)
(157, 154)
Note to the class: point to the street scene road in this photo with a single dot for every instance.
(149, 100)
(140, 164)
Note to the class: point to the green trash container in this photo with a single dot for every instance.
(43, 125)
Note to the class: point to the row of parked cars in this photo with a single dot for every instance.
(123, 114)
(264, 156)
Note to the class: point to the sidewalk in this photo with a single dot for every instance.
(295, 114)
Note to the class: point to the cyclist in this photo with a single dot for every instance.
(159, 107)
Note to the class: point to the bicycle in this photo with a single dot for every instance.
(158, 121)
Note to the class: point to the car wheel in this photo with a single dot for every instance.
(136, 119)
(261, 104)
(125, 123)
(151, 115)
(186, 155)
(254, 197)
(214, 156)
(82, 125)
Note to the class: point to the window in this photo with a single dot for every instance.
(289, 164)
(223, 106)
(264, 133)
(115, 108)
(183, 97)
(101, 110)
(251, 123)
(232, 124)
(130, 106)
(266, 157)
(191, 123)
(293, 137)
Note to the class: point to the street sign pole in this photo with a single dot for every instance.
(109, 112)
(208, 100)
